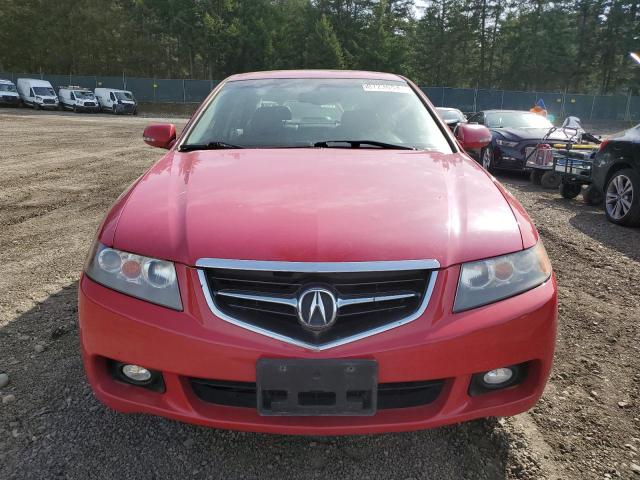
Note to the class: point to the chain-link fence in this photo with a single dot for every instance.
(586, 107)
(144, 89)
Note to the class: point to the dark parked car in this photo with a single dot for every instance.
(616, 173)
(452, 116)
(512, 131)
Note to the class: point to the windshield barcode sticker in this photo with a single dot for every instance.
(375, 87)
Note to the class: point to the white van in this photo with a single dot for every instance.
(78, 99)
(37, 93)
(116, 101)
(8, 93)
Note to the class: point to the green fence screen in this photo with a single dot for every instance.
(586, 107)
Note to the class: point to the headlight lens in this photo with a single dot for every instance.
(506, 143)
(487, 281)
(142, 277)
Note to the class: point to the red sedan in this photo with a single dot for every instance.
(316, 254)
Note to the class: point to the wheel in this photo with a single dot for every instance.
(622, 198)
(36, 106)
(114, 110)
(570, 190)
(535, 176)
(592, 195)
(550, 180)
(487, 158)
(75, 109)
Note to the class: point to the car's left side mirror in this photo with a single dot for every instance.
(472, 136)
(161, 135)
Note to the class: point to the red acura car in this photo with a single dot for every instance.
(316, 254)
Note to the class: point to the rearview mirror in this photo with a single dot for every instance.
(161, 135)
(472, 136)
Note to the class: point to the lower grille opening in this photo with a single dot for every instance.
(390, 395)
(232, 394)
(408, 394)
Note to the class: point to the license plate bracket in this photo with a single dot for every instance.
(316, 387)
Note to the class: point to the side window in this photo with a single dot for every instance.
(112, 97)
(73, 97)
(31, 94)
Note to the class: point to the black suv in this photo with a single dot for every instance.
(616, 173)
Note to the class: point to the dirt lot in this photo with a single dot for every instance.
(61, 172)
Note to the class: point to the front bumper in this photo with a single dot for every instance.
(509, 158)
(85, 108)
(46, 106)
(437, 346)
(9, 100)
(126, 108)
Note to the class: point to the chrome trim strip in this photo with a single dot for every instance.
(317, 267)
(291, 302)
(343, 302)
(336, 343)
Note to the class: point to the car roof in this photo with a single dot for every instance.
(315, 74)
(497, 110)
(113, 89)
(36, 81)
(448, 108)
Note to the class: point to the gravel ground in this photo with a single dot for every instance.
(60, 174)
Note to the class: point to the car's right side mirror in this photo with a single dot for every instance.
(472, 136)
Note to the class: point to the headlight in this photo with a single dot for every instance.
(146, 278)
(487, 281)
(505, 143)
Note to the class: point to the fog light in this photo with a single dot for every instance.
(498, 376)
(136, 373)
(498, 379)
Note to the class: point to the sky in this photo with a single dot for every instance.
(418, 9)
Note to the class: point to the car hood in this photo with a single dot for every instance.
(316, 205)
(519, 134)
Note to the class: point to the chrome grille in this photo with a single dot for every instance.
(371, 297)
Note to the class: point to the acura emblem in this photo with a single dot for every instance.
(317, 309)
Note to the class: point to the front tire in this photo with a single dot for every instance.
(486, 156)
(622, 198)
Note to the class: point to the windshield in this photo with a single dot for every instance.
(83, 94)
(44, 91)
(302, 112)
(7, 87)
(450, 115)
(123, 95)
(516, 120)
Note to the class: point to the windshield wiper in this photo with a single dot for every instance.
(357, 143)
(207, 146)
